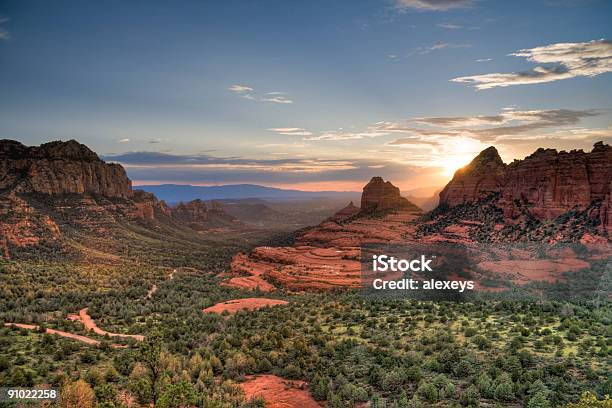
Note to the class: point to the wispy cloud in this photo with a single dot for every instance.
(486, 128)
(240, 88)
(565, 60)
(432, 5)
(405, 141)
(5, 35)
(436, 47)
(291, 131)
(343, 135)
(484, 60)
(123, 140)
(449, 26)
(276, 99)
(248, 92)
(151, 167)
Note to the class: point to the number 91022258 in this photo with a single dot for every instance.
(13, 393)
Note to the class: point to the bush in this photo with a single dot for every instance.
(470, 397)
(428, 392)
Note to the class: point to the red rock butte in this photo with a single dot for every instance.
(548, 183)
(327, 256)
(380, 195)
(545, 185)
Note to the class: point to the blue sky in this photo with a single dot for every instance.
(306, 94)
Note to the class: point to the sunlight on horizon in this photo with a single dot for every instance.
(463, 151)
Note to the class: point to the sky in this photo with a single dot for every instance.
(313, 95)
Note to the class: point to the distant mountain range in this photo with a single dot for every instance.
(173, 193)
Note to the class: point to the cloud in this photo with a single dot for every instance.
(432, 5)
(412, 141)
(291, 131)
(123, 140)
(240, 88)
(277, 99)
(153, 167)
(341, 135)
(484, 60)
(565, 60)
(248, 92)
(437, 46)
(449, 26)
(155, 141)
(485, 128)
(5, 35)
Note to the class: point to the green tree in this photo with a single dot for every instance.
(179, 395)
(150, 355)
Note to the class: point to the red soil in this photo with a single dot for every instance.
(89, 324)
(252, 280)
(523, 271)
(233, 306)
(250, 283)
(278, 392)
(324, 257)
(327, 256)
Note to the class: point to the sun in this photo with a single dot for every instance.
(458, 153)
(452, 164)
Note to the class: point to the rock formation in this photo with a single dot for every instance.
(547, 183)
(381, 195)
(345, 213)
(60, 168)
(483, 176)
(193, 211)
(58, 186)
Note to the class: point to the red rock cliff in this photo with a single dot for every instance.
(548, 183)
(483, 176)
(58, 168)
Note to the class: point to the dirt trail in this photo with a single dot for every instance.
(154, 288)
(78, 337)
(233, 306)
(151, 292)
(89, 324)
(278, 392)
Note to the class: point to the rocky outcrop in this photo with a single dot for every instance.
(546, 184)
(57, 168)
(345, 213)
(380, 195)
(147, 205)
(483, 176)
(193, 211)
(64, 187)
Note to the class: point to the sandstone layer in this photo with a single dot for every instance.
(546, 184)
(380, 195)
(60, 168)
(58, 186)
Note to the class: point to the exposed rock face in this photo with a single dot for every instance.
(193, 211)
(57, 187)
(326, 257)
(547, 183)
(60, 168)
(345, 213)
(483, 176)
(146, 204)
(381, 195)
